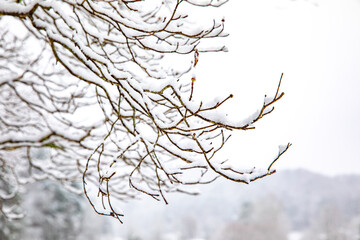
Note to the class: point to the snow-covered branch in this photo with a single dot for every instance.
(129, 67)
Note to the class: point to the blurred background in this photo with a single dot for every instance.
(315, 193)
(289, 205)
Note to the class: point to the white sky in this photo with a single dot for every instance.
(317, 46)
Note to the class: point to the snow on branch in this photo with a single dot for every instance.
(18, 10)
(109, 60)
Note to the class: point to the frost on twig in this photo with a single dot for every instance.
(144, 133)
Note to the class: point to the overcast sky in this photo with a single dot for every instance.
(317, 46)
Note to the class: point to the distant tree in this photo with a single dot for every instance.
(269, 217)
(246, 211)
(263, 219)
(52, 213)
(105, 89)
(10, 229)
(189, 227)
(353, 229)
(329, 224)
